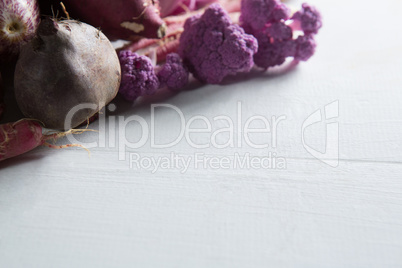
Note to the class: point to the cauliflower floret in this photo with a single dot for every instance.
(269, 22)
(256, 14)
(173, 73)
(138, 77)
(213, 48)
(308, 20)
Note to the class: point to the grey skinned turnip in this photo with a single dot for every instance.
(67, 64)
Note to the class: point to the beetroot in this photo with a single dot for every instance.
(19, 20)
(67, 64)
(118, 19)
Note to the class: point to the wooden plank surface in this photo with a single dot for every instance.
(61, 208)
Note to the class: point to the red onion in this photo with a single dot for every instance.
(19, 20)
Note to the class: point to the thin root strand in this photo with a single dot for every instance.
(66, 146)
(58, 135)
(65, 10)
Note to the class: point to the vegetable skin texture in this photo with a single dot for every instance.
(67, 64)
(118, 19)
(18, 138)
(19, 20)
(213, 48)
(138, 77)
(173, 73)
(24, 135)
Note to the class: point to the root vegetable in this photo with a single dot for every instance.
(118, 19)
(66, 64)
(24, 135)
(19, 20)
(174, 28)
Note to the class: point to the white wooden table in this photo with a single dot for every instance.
(60, 208)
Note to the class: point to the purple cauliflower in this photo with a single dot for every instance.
(275, 31)
(273, 51)
(173, 73)
(138, 77)
(305, 47)
(256, 14)
(213, 48)
(308, 20)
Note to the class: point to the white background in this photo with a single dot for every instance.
(60, 208)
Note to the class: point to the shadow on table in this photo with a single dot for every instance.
(7, 163)
(142, 105)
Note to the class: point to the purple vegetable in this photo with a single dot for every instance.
(305, 47)
(173, 73)
(138, 77)
(19, 20)
(256, 14)
(118, 19)
(275, 31)
(279, 31)
(308, 20)
(174, 7)
(271, 51)
(213, 48)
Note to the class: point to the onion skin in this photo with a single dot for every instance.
(19, 20)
